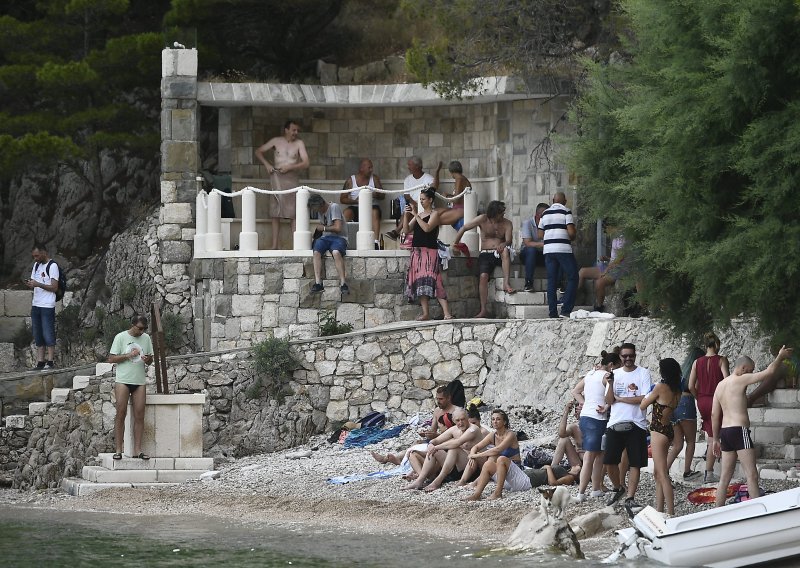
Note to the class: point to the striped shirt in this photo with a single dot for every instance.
(554, 223)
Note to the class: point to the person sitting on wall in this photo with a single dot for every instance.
(363, 177)
(415, 179)
(131, 350)
(334, 239)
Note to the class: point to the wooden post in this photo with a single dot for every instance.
(159, 351)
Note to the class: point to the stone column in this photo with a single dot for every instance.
(179, 164)
(302, 233)
(214, 235)
(248, 238)
(201, 227)
(365, 238)
(470, 238)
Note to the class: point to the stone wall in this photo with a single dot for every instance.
(509, 364)
(245, 300)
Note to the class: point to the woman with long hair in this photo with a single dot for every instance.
(664, 397)
(684, 419)
(424, 278)
(591, 393)
(706, 374)
(502, 463)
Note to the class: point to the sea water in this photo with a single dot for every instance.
(41, 537)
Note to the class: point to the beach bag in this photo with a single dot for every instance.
(407, 241)
(374, 418)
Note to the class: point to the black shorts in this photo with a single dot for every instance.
(634, 440)
(735, 438)
(354, 209)
(455, 475)
(131, 388)
(487, 262)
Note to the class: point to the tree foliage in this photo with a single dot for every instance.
(79, 81)
(691, 144)
(273, 39)
(533, 39)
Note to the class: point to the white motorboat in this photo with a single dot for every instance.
(742, 534)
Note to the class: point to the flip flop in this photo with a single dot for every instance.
(143, 456)
(117, 456)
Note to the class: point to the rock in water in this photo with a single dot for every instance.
(534, 532)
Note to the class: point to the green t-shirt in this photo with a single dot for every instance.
(131, 372)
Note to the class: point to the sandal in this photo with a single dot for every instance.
(143, 456)
(117, 456)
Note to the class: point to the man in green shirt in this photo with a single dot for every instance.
(132, 351)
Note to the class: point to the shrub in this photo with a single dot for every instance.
(273, 363)
(127, 291)
(111, 326)
(23, 337)
(173, 330)
(329, 325)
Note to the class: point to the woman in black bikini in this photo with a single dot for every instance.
(664, 397)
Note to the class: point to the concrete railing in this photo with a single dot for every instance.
(209, 230)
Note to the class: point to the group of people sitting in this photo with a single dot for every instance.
(611, 436)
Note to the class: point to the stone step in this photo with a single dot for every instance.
(784, 398)
(99, 474)
(781, 451)
(128, 463)
(768, 468)
(80, 382)
(80, 487)
(59, 395)
(766, 415)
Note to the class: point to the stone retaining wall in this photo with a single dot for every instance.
(514, 363)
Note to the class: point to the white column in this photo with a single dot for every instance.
(470, 238)
(365, 238)
(248, 238)
(302, 234)
(214, 235)
(201, 222)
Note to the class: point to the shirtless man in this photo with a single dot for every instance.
(454, 215)
(442, 420)
(731, 423)
(496, 240)
(290, 156)
(363, 177)
(446, 452)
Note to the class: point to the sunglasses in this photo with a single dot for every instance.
(633, 356)
(140, 328)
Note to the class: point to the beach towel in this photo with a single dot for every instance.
(402, 469)
(371, 435)
(704, 495)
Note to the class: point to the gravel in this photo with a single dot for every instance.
(271, 489)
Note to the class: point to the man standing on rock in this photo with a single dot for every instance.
(132, 351)
(731, 423)
(290, 156)
(627, 425)
(557, 230)
(44, 283)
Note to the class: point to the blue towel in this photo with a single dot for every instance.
(401, 469)
(371, 435)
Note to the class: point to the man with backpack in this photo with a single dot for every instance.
(44, 282)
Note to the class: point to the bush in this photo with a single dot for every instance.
(173, 330)
(112, 324)
(23, 337)
(69, 322)
(127, 291)
(329, 325)
(273, 363)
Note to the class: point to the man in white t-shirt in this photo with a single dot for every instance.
(627, 425)
(44, 283)
(413, 184)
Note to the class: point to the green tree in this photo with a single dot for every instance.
(535, 40)
(79, 92)
(690, 142)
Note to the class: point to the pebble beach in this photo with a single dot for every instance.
(276, 489)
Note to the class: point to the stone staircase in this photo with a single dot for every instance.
(774, 429)
(173, 437)
(523, 305)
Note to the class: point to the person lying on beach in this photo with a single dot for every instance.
(486, 454)
(553, 475)
(446, 454)
(442, 420)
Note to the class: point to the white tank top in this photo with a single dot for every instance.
(354, 183)
(594, 394)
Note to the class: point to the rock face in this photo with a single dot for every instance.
(536, 532)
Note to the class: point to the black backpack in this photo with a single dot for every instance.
(62, 280)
